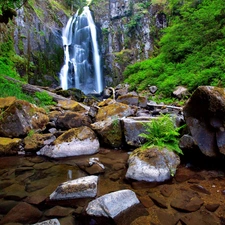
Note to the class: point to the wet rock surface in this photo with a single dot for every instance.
(195, 195)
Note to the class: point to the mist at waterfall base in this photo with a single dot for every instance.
(82, 62)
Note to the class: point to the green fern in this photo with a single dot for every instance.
(162, 132)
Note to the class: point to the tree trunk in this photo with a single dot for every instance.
(31, 89)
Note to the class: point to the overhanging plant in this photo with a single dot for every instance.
(162, 133)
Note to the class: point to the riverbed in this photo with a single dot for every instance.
(32, 179)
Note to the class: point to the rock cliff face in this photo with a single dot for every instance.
(37, 36)
(36, 31)
(129, 30)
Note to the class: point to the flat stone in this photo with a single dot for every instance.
(22, 213)
(38, 184)
(201, 217)
(6, 206)
(22, 170)
(212, 207)
(5, 183)
(112, 204)
(43, 165)
(187, 201)
(159, 200)
(166, 190)
(69, 220)
(35, 199)
(146, 201)
(183, 175)
(94, 169)
(59, 211)
(83, 187)
(15, 192)
(166, 218)
(199, 188)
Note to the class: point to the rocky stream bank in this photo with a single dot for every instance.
(50, 161)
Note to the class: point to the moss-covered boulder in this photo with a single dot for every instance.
(110, 132)
(21, 117)
(33, 143)
(113, 110)
(6, 102)
(72, 105)
(74, 142)
(152, 164)
(72, 119)
(9, 146)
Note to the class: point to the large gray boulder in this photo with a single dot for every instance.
(132, 127)
(74, 142)
(152, 164)
(110, 131)
(84, 187)
(204, 113)
(112, 204)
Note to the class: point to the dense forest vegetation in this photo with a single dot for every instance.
(192, 49)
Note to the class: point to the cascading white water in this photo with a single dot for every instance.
(82, 61)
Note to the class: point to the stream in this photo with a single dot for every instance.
(32, 179)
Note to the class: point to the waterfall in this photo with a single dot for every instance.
(82, 61)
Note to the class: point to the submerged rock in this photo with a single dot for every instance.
(49, 222)
(152, 165)
(22, 213)
(74, 142)
(112, 204)
(84, 187)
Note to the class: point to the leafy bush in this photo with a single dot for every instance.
(161, 132)
(192, 50)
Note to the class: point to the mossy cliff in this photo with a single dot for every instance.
(130, 32)
(35, 33)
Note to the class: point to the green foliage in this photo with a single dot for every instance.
(9, 88)
(161, 132)
(192, 49)
(13, 4)
(9, 60)
(44, 98)
(31, 133)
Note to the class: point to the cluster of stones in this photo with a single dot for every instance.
(72, 129)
